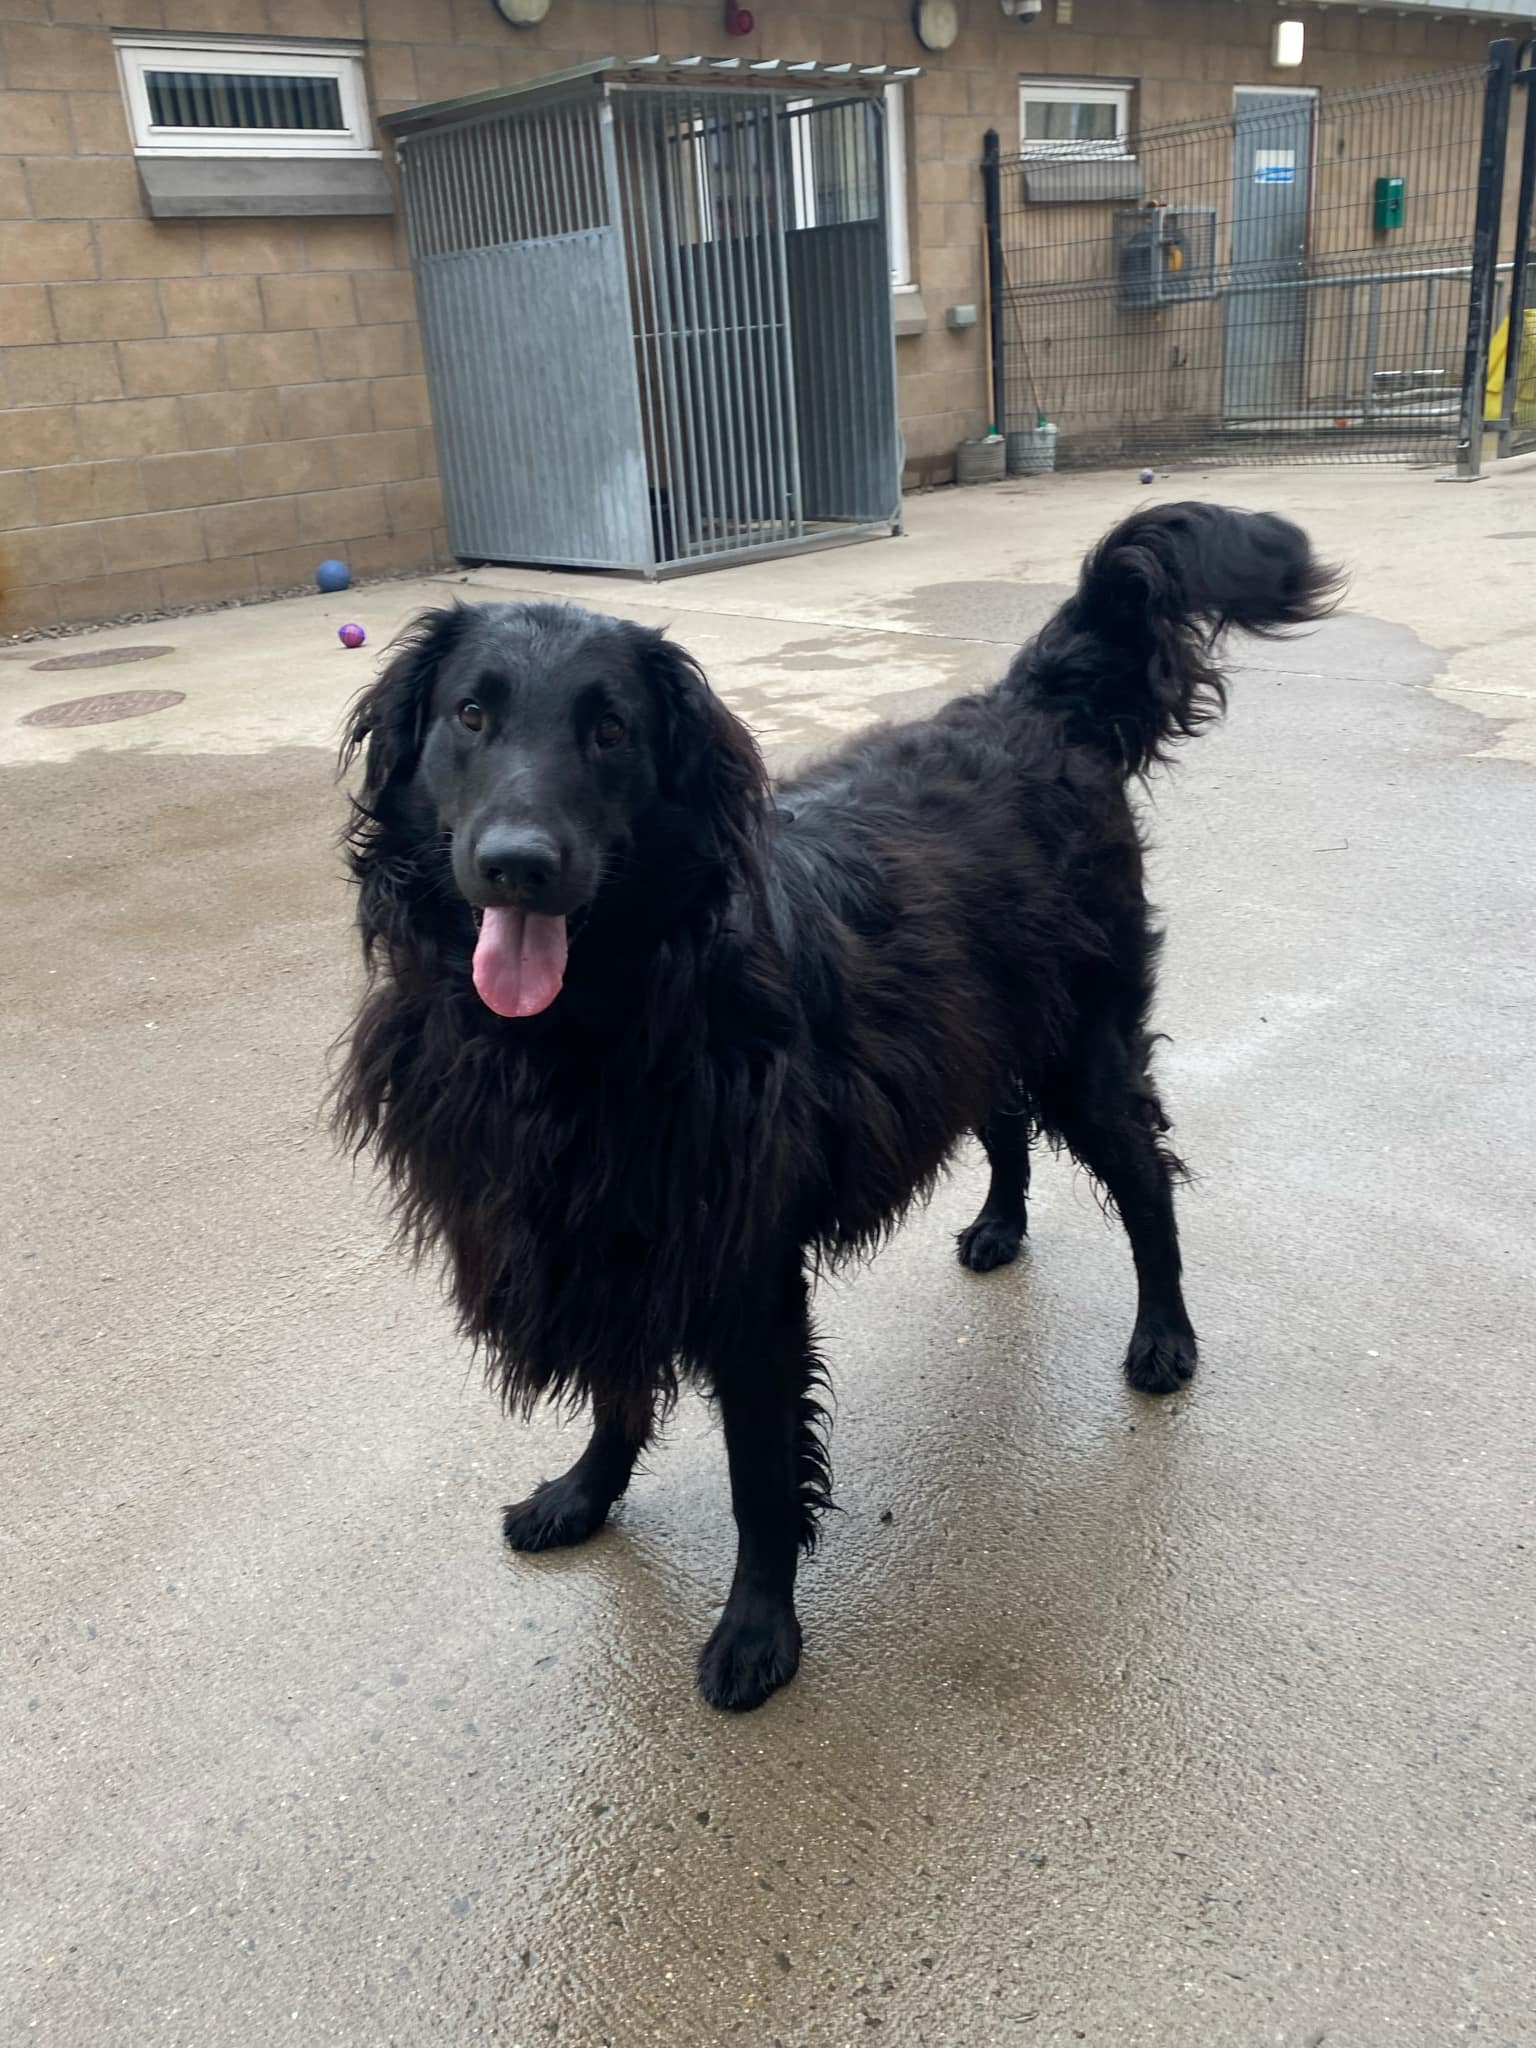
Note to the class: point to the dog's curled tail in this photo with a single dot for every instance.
(1129, 663)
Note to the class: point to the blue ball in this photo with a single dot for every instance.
(333, 575)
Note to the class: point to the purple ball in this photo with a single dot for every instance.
(1146, 476)
(351, 635)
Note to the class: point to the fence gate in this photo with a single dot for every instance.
(656, 312)
(1294, 282)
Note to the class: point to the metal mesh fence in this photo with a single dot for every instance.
(1288, 283)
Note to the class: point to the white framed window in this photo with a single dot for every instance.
(831, 160)
(1066, 119)
(228, 96)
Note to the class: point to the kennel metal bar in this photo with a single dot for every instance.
(656, 311)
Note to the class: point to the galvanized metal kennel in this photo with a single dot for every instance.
(656, 312)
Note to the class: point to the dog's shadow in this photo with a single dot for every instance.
(981, 1429)
(989, 1620)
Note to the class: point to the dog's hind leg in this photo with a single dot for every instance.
(568, 1509)
(1109, 1115)
(766, 1386)
(994, 1238)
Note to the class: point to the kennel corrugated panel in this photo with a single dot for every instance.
(656, 312)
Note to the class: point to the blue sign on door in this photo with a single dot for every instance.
(1274, 167)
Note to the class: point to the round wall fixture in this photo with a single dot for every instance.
(521, 13)
(935, 23)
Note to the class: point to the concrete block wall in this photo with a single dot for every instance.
(193, 411)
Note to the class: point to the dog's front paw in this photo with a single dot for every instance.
(750, 1655)
(989, 1242)
(559, 1512)
(1162, 1358)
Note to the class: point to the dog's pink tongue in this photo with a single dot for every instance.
(519, 961)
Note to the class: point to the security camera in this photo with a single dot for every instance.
(1023, 11)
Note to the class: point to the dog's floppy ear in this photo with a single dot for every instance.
(396, 905)
(389, 719)
(709, 762)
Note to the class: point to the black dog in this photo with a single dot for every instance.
(644, 1040)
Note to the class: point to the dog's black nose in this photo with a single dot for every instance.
(517, 860)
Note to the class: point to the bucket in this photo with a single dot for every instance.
(1032, 451)
(980, 461)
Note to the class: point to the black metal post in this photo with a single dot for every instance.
(1512, 347)
(992, 182)
(1485, 255)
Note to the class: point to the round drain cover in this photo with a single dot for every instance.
(102, 710)
(103, 657)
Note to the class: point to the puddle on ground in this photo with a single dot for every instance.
(996, 610)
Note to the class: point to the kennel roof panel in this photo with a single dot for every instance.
(609, 73)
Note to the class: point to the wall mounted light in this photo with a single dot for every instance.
(1289, 45)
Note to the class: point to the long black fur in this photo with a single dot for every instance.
(783, 1012)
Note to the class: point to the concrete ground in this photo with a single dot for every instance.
(1205, 1723)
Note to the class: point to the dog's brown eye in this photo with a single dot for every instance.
(471, 715)
(609, 729)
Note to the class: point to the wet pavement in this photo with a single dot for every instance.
(1202, 1722)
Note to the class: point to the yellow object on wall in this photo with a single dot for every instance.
(1525, 395)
